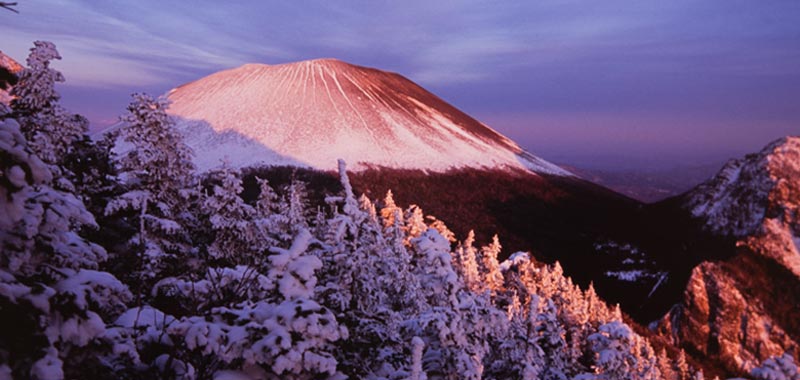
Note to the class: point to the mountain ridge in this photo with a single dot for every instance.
(742, 309)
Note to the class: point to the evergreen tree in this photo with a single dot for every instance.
(267, 201)
(551, 338)
(269, 219)
(390, 210)
(493, 277)
(231, 219)
(159, 177)
(414, 222)
(53, 299)
(777, 368)
(440, 283)
(295, 209)
(467, 264)
(612, 345)
(48, 127)
(159, 163)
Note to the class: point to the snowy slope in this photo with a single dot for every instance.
(749, 190)
(311, 113)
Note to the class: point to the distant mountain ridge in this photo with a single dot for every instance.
(313, 112)
(649, 185)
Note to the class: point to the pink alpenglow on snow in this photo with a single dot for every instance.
(312, 113)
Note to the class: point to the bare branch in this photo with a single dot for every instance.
(9, 6)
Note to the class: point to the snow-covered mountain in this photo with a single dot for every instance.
(744, 309)
(9, 68)
(749, 190)
(313, 112)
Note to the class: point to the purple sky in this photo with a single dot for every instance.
(600, 84)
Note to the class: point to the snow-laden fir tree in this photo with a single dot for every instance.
(48, 127)
(53, 300)
(159, 179)
(681, 366)
(296, 210)
(366, 280)
(467, 264)
(414, 221)
(389, 210)
(236, 238)
(491, 267)
(268, 200)
(777, 368)
(159, 161)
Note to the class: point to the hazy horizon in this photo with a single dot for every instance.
(600, 85)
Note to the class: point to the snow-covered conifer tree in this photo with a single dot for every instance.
(551, 338)
(467, 264)
(38, 222)
(439, 281)
(295, 208)
(160, 162)
(493, 277)
(414, 222)
(267, 201)
(53, 299)
(270, 220)
(441, 228)
(368, 206)
(159, 177)
(390, 210)
(48, 127)
(665, 366)
(777, 368)
(231, 219)
(612, 345)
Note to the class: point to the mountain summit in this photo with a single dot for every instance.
(743, 309)
(764, 185)
(313, 112)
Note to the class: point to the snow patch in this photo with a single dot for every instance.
(634, 275)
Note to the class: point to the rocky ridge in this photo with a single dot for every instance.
(743, 310)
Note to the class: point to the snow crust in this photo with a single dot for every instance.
(312, 113)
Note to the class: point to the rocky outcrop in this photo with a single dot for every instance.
(737, 313)
(9, 68)
(743, 310)
(747, 191)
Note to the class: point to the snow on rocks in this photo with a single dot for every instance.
(746, 191)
